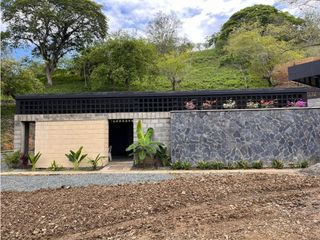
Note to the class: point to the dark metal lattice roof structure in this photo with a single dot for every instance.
(306, 73)
(109, 102)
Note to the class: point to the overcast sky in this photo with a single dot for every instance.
(200, 18)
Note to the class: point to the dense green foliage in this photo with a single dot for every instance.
(145, 148)
(17, 79)
(252, 50)
(53, 28)
(12, 159)
(117, 62)
(7, 124)
(262, 15)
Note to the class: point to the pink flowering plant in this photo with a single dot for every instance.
(208, 104)
(190, 105)
(267, 103)
(299, 103)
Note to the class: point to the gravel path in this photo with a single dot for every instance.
(31, 183)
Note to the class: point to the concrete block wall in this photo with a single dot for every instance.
(56, 138)
(160, 121)
(161, 128)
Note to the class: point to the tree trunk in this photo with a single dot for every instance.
(49, 72)
(173, 82)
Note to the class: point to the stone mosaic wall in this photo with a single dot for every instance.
(229, 135)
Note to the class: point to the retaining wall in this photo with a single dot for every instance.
(290, 134)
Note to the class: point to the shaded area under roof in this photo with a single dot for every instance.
(306, 73)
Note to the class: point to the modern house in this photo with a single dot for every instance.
(97, 121)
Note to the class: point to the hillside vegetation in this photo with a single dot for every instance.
(204, 72)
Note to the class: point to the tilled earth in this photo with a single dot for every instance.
(224, 206)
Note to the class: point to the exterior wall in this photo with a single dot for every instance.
(314, 102)
(160, 121)
(56, 138)
(230, 135)
(161, 128)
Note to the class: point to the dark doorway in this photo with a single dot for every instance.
(120, 137)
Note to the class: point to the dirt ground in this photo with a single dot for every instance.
(229, 206)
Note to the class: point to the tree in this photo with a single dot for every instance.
(259, 53)
(53, 27)
(174, 67)
(163, 31)
(17, 79)
(303, 4)
(263, 15)
(121, 59)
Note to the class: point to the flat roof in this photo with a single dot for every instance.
(160, 94)
(306, 73)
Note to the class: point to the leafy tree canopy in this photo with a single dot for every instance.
(53, 27)
(262, 15)
(120, 60)
(18, 79)
(258, 53)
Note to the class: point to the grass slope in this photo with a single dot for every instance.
(205, 73)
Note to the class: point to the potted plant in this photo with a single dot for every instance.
(208, 104)
(190, 105)
(299, 103)
(145, 149)
(229, 104)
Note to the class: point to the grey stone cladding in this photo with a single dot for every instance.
(290, 134)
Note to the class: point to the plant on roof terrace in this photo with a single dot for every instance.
(229, 104)
(299, 103)
(252, 104)
(268, 103)
(208, 104)
(190, 105)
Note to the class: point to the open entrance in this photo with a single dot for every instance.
(120, 137)
(29, 137)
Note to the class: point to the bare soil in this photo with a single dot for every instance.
(226, 206)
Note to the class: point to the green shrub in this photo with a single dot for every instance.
(76, 158)
(216, 165)
(34, 159)
(242, 164)
(12, 159)
(278, 164)
(163, 156)
(230, 165)
(94, 162)
(303, 164)
(55, 167)
(180, 165)
(145, 147)
(203, 165)
(257, 164)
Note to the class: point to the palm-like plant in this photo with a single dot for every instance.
(34, 159)
(94, 162)
(76, 157)
(145, 146)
